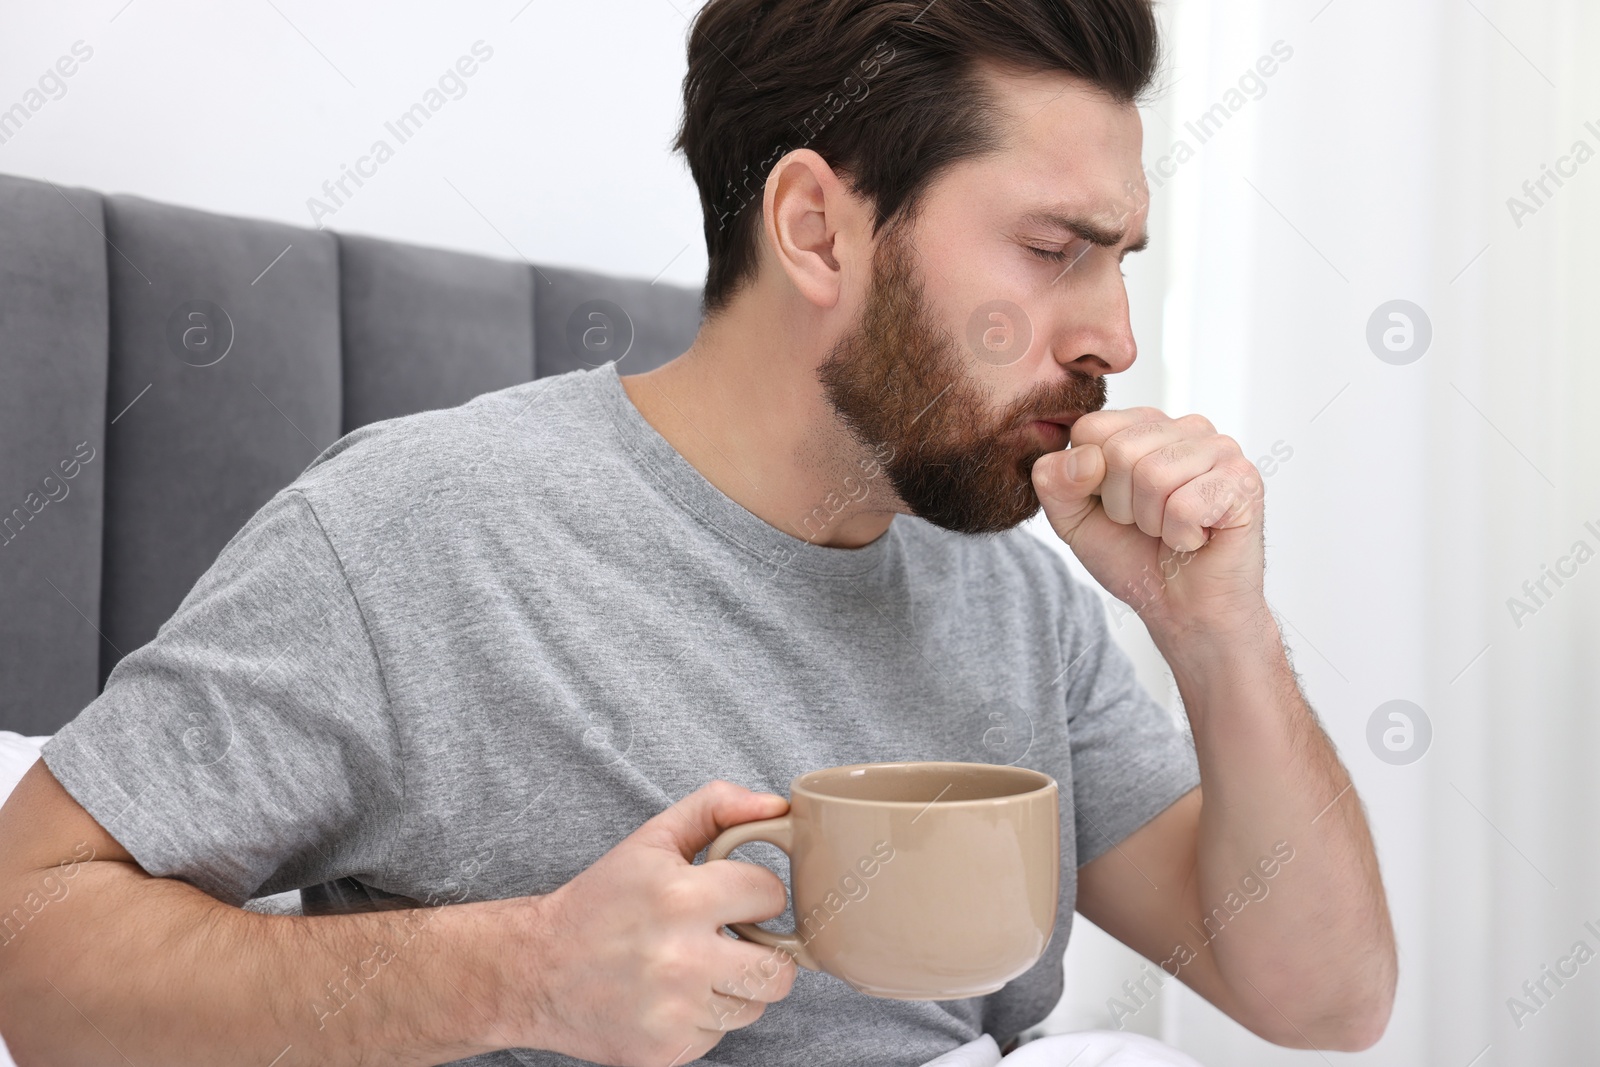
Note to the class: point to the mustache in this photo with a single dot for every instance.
(1077, 392)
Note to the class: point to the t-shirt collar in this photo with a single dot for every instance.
(666, 465)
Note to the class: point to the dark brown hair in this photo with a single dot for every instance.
(885, 90)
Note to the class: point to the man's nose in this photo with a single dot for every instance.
(1100, 340)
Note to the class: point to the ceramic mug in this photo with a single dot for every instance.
(927, 880)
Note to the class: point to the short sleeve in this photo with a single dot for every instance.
(1130, 758)
(248, 747)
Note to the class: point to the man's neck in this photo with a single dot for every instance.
(763, 434)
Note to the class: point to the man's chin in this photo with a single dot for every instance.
(974, 491)
(994, 518)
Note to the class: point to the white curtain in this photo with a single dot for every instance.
(1423, 486)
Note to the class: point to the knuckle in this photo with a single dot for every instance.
(770, 982)
(752, 879)
(1213, 493)
(1089, 424)
(788, 974)
(724, 1013)
(1246, 476)
(774, 895)
(661, 1028)
(741, 873)
(1184, 513)
(767, 879)
(1167, 455)
(655, 1020)
(749, 985)
(678, 897)
(1198, 422)
(1140, 430)
(672, 965)
(775, 973)
(1150, 473)
(727, 1015)
(1119, 451)
(1218, 500)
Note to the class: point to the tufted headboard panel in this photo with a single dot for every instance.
(164, 371)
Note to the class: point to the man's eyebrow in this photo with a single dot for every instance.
(1086, 228)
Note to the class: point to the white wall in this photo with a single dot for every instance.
(557, 148)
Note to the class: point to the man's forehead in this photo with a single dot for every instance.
(1068, 146)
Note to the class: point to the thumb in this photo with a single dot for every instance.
(1066, 483)
(690, 824)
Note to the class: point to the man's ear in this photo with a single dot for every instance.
(818, 232)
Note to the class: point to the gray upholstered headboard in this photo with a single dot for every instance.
(164, 371)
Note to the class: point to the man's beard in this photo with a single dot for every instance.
(900, 384)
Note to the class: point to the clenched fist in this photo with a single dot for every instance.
(1165, 513)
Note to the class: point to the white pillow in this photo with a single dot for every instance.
(1111, 1048)
(17, 754)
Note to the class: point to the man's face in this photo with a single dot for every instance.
(989, 315)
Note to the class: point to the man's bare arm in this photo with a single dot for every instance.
(1321, 958)
(1261, 889)
(1167, 515)
(116, 965)
(103, 964)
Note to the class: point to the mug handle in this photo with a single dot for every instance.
(780, 832)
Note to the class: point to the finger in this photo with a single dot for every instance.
(730, 1013)
(1066, 484)
(1218, 500)
(1128, 446)
(1093, 428)
(1162, 472)
(740, 892)
(757, 972)
(686, 826)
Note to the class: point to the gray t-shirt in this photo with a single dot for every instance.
(468, 651)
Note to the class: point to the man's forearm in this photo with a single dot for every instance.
(1318, 958)
(131, 968)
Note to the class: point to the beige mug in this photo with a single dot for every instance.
(928, 880)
